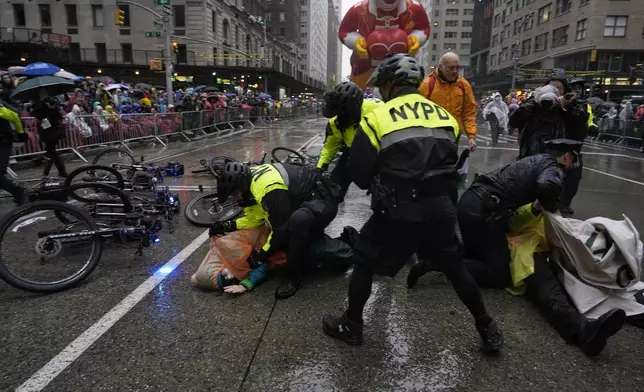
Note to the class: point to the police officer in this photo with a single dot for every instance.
(11, 131)
(297, 202)
(344, 106)
(405, 152)
(484, 210)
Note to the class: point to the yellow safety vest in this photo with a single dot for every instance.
(339, 139)
(591, 118)
(264, 178)
(406, 117)
(12, 117)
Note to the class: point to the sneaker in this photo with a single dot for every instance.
(343, 329)
(287, 288)
(594, 333)
(491, 337)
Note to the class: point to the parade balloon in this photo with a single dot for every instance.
(383, 42)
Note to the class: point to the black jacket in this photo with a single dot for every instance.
(533, 178)
(538, 125)
(49, 108)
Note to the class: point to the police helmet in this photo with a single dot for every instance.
(400, 69)
(235, 176)
(576, 80)
(344, 98)
(559, 74)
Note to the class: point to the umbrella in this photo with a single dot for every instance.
(40, 69)
(189, 90)
(264, 96)
(198, 88)
(16, 70)
(115, 86)
(211, 89)
(103, 79)
(142, 86)
(595, 100)
(231, 94)
(66, 75)
(30, 89)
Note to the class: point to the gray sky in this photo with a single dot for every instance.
(346, 52)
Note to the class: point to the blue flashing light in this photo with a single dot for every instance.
(165, 270)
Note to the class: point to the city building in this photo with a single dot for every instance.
(424, 56)
(282, 19)
(223, 43)
(334, 50)
(314, 24)
(451, 22)
(602, 40)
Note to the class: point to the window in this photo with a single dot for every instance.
(70, 14)
(529, 23)
(75, 52)
(611, 61)
(45, 15)
(19, 18)
(434, 47)
(582, 25)
(466, 34)
(433, 57)
(182, 53)
(282, 17)
(526, 47)
(468, 11)
(541, 42)
(615, 26)
(437, 2)
(504, 55)
(517, 26)
(452, 12)
(179, 15)
(506, 31)
(127, 53)
(269, 16)
(449, 45)
(495, 40)
(451, 23)
(468, 23)
(544, 14)
(451, 34)
(126, 15)
(466, 46)
(583, 2)
(101, 53)
(214, 21)
(282, 31)
(465, 58)
(560, 37)
(435, 36)
(437, 13)
(497, 20)
(563, 6)
(97, 15)
(492, 60)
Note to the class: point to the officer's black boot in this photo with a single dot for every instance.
(343, 329)
(417, 270)
(593, 334)
(491, 335)
(288, 287)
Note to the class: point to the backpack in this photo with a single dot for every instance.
(432, 84)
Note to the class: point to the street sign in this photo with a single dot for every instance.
(163, 2)
(168, 10)
(152, 34)
(158, 25)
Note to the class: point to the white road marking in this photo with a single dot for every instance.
(60, 362)
(614, 176)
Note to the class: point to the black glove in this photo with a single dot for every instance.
(256, 259)
(221, 228)
(319, 170)
(22, 137)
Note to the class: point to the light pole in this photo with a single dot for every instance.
(167, 51)
(516, 56)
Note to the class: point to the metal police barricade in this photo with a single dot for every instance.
(210, 118)
(616, 131)
(91, 131)
(191, 124)
(168, 124)
(33, 146)
(138, 126)
(238, 117)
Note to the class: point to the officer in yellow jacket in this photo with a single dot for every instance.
(295, 200)
(344, 106)
(405, 152)
(11, 131)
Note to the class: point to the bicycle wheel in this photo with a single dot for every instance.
(104, 203)
(291, 156)
(205, 210)
(217, 164)
(41, 254)
(96, 174)
(114, 155)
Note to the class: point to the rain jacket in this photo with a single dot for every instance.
(14, 125)
(499, 110)
(338, 138)
(456, 97)
(537, 125)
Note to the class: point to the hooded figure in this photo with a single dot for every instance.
(496, 113)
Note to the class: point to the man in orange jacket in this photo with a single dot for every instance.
(452, 92)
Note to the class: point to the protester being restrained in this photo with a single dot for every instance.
(344, 106)
(297, 202)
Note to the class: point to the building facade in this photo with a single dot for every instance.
(283, 19)
(314, 24)
(602, 38)
(334, 50)
(223, 41)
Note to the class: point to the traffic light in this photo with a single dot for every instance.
(120, 17)
(175, 46)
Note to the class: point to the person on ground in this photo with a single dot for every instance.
(485, 208)
(404, 152)
(296, 200)
(453, 93)
(11, 130)
(50, 119)
(344, 106)
(496, 113)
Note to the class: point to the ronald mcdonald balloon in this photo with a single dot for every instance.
(375, 28)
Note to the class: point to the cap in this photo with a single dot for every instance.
(564, 145)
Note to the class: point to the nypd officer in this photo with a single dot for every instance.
(297, 202)
(344, 106)
(404, 152)
(484, 210)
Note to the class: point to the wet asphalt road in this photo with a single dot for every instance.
(178, 338)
